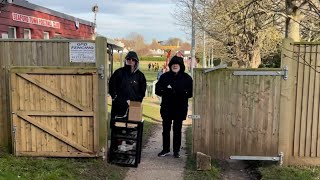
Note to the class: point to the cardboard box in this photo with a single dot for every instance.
(135, 111)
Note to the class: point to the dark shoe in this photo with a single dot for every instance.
(163, 153)
(176, 155)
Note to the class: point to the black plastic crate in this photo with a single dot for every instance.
(122, 149)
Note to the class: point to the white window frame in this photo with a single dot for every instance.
(46, 34)
(14, 32)
(28, 36)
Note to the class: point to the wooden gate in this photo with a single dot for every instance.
(239, 114)
(54, 112)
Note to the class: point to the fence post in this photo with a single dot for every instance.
(101, 62)
(287, 100)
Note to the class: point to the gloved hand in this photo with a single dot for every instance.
(169, 90)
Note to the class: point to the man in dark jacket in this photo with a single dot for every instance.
(126, 84)
(175, 87)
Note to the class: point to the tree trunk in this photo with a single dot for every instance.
(293, 20)
(255, 57)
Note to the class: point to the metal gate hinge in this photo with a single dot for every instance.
(194, 116)
(14, 129)
(283, 73)
(101, 71)
(221, 66)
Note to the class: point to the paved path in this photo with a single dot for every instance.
(153, 167)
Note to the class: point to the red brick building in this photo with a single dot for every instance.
(21, 19)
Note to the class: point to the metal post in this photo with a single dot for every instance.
(211, 60)
(193, 38)
(204, 63)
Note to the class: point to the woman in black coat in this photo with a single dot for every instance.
(175, 87)
(126, 84)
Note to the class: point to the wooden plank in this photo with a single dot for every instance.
(21, 107)
(55, 54)
(15, 120)
(210, 112)
(204, 120)
(43, 120)
(250, 117)
(298, 104)
(309, 107)
(304, 109)
(318, 99)
(53, 92)
(268, 120)
(53, 133)
(260, 115)
(312, 110)
(101, 44)
(239, 108)
(63, 106)
(218, 123)
(246, 106)
(315, 103)
(50, 145)
(69, 122)
(96, 130)
(85, 121)
(56, 154)
(54, 70)
(276, 117)
(33, 102)
(39, 53)
(307, 161)
(78, 94)
(59, 114)
(195, 123)
(286, 99)
(34, 61)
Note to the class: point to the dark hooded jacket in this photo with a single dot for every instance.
(175, 89)
(126, 85)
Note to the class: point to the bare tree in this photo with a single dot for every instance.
(249, 29)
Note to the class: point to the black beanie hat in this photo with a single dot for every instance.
(133, 55)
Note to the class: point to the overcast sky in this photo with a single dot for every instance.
(118, 18)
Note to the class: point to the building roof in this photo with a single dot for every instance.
(115, 45)
(26, 4)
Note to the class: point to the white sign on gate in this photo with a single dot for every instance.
(82, 52)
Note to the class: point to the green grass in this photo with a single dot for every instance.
(191, 172)
(150, 75)
(24, 168)
(289, 173)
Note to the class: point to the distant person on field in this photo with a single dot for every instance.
(160, 73)
(175, 87)
(149, 66)
(126, 84)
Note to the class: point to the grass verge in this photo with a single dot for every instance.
(191, 172)
(25, 168)
(275, 172)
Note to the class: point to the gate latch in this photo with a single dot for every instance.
(194, 116)
(101, 71)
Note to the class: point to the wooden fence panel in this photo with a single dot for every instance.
(305, 148)
(54, 112)
(239, 114)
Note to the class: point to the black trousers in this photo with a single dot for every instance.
(166, 128)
